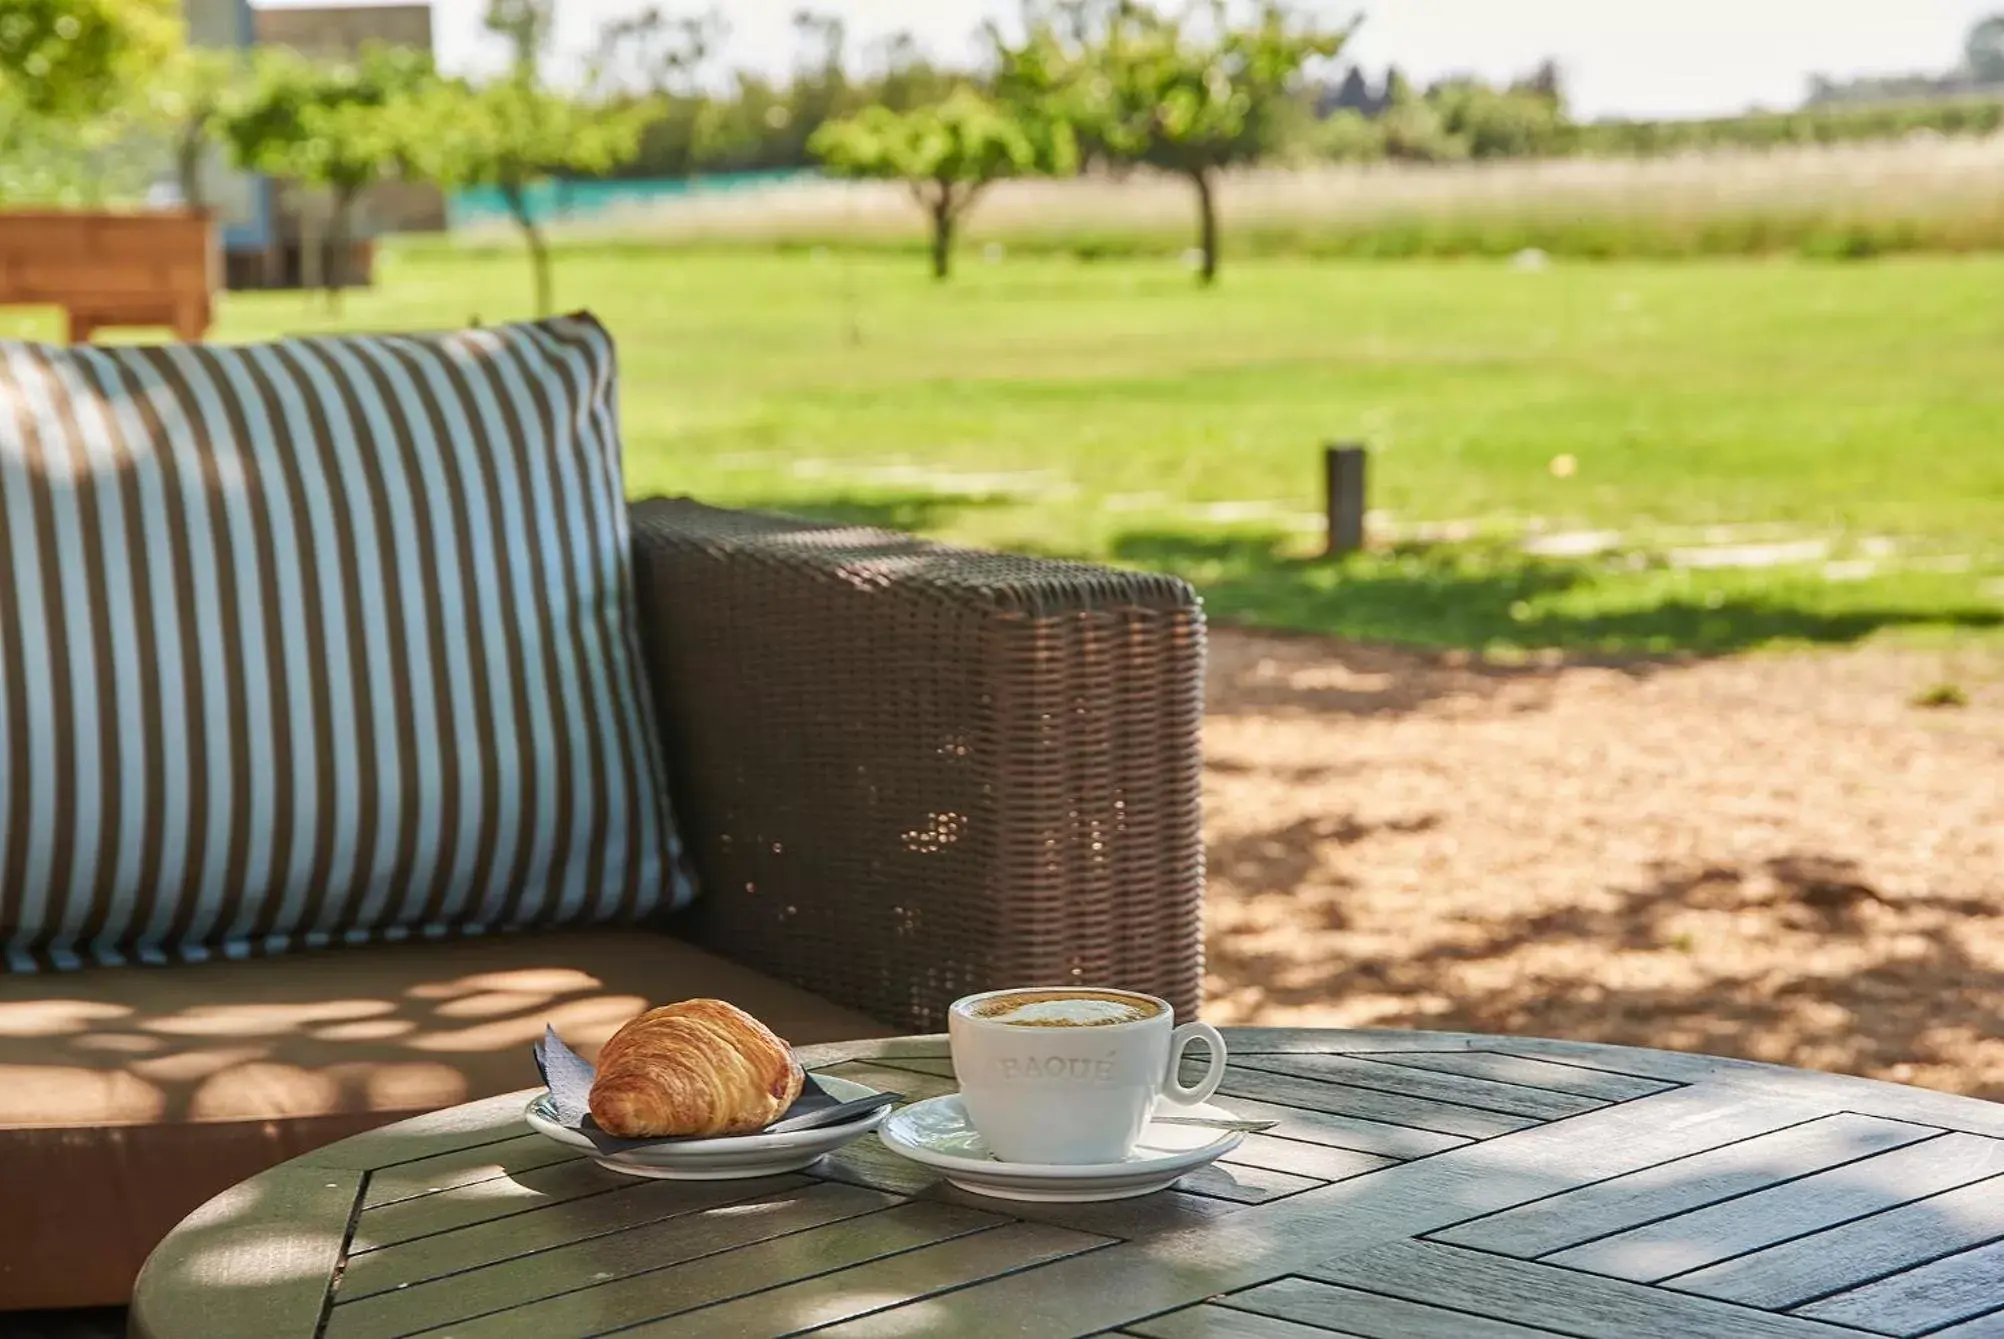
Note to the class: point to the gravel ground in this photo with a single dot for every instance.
(1779, 857)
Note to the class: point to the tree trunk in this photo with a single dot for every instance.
(942, 236)
(188, 167)
(312, 248)
(335, 267)
(532, 236)
(1207, 225)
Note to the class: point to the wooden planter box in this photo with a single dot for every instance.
(107, 269)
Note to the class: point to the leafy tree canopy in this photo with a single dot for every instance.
(340, 125)
(188, 103)
(962, 142)
(1192, 93)
(73, 59)
(511, 134)
(947, 152)
(1185, 93)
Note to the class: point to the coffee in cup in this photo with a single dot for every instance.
(1064, 1075)
(1065, 1008)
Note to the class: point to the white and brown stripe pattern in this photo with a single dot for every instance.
(318, 641)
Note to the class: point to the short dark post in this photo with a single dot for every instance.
(1343, 469)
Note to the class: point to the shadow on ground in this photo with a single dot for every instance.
(1632, 969)
(1491, 596)
(1483, 597)
(1795, 958)
(1269, 674)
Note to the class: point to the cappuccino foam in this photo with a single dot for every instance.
(1065, 1008)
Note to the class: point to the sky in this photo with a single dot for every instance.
(1620, 57)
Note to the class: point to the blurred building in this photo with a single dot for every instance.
(330, 32)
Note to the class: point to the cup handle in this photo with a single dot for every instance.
(1173, 1087)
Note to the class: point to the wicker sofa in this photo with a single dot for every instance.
(905, 773)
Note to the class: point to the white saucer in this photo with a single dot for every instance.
(727, 1158)
(937, 1133)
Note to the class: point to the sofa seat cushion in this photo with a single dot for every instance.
(130, 1095)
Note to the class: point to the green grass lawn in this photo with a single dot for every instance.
(1113, 411)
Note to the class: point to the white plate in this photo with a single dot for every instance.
(726, 1158)
(937, 1133)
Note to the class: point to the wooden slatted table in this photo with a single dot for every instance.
(1418, 1184)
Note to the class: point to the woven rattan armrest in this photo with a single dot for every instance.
(907, 772)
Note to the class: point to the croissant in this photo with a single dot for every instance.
(701, 1067)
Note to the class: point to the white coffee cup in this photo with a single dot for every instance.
(1079, 1093)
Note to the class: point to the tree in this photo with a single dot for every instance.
(1547, 81)
(1354, 94)
(823, 39)
(658, 53)
(1478, 121)
(1191, 95)
(946, 154)
(340, 126)
(659, 57)
(64, 66)
(1414, 129)
(820, 88)
(74, 59)
(510, 135)
(1983, 53)
(527, 26)
(905, 77)
(194, 96)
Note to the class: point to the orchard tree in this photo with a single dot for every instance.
(1983, 53)
(341, 127)
(1191, 95)
(192, 98)
(1196, 98)
(511, 135)
(945, 154)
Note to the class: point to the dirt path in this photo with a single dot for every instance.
(1777, 857)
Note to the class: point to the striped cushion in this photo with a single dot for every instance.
(318, 641)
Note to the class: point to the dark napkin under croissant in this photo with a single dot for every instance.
(569, 1077)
